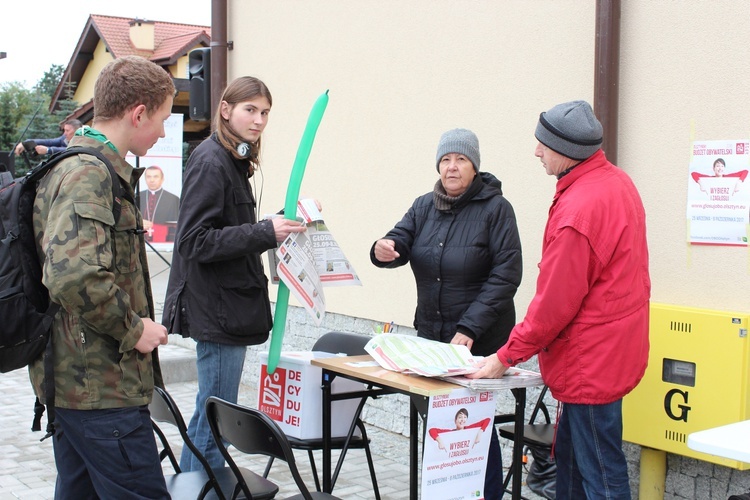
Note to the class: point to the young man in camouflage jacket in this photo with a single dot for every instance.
(104, 336)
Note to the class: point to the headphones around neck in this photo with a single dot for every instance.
(243, 149)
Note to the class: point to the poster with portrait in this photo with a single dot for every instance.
(718, 207)
(160, 186)
(459, 427)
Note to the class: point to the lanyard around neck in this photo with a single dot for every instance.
(87, 131)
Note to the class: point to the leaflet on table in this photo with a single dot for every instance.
(330, 263)
(512, 379)
(296, 270)
(429, 358)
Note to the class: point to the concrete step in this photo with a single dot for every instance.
(177, 364)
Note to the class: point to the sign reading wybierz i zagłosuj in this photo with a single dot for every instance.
(718, 194)
(459, 427)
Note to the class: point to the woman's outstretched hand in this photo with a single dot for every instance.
(385, 250)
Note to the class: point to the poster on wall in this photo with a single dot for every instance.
(160, 186)
(459, 427)
(718, 207)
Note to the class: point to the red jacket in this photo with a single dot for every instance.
(589, 318)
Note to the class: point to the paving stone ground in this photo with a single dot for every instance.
(27, 467)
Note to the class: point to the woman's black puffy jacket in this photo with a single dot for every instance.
(467, 265)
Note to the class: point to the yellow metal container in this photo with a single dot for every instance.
(697, 378)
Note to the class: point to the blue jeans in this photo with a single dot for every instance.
(588, 452)
(219, 372)
(493, 479)
(107, 454)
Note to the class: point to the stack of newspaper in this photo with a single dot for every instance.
(429, 358)
(512, 379)
(410, 354)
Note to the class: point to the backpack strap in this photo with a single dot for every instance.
(49, 390)
(117, 192)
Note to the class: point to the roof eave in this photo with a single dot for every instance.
(200, 39)
(82, 55)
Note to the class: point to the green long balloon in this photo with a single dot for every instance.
(290, 212)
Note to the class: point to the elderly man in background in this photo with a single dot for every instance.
(588, 320)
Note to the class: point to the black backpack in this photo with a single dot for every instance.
(25, 308)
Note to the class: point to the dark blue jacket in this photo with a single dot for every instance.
(55, 145)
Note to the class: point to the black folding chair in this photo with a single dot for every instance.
(351, 344)
(253, 432)
(537, 435)
(192, 484)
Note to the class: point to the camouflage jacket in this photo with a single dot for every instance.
(99, 275)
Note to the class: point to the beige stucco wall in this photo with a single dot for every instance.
(401, 73)
(683, 75)
(85, 88)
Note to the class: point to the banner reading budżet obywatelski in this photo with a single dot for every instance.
(718, 208)
(459, 428)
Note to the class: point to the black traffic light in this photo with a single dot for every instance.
(199, 69)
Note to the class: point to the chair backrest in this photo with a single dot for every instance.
(164, 409)
(540, 406)
(351, 344)
(253, 432)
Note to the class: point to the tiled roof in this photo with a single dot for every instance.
(175, 45)
(171, 40)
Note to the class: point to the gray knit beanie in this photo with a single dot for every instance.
(461, 141)
(570, 129)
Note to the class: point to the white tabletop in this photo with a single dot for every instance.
(729, 441)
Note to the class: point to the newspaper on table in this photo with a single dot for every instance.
(306, 262)
(513, 378)
(429, 358)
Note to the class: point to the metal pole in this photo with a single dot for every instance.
(607, 74)
(219, 49)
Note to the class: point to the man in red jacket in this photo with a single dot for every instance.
(588, 320)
